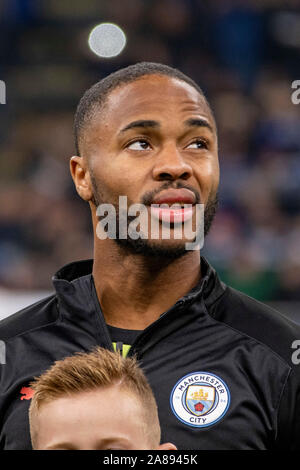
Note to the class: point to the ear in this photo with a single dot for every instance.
(81, 177)
(166, 446)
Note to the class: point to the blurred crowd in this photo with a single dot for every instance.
(245, 54)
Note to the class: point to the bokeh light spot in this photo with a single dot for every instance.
(107, 40)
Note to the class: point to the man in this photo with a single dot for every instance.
(94, 401)
(219, 363)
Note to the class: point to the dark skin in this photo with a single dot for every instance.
(179, 144)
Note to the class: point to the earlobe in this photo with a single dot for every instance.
(81, 177)
(167, 446)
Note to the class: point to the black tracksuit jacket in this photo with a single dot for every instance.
(219, 362)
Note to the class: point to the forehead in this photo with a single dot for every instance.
(120, 417)
(156, 95)
(75, 403)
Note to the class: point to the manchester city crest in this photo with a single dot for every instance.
(200, 399)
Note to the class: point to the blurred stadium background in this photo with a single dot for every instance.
(245, 54)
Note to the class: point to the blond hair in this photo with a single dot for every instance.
(84, 372)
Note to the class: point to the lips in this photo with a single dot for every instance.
(182, 202)
(173, 196)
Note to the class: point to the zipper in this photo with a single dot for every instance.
(179, 305)
(133, 351)
(139, 340)
(119, 347)
(100, 318)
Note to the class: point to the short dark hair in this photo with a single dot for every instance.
(95, 97)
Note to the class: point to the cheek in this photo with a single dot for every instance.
(215, 176)
(115, 180)
(208, 175)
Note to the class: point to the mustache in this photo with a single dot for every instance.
(150, 195)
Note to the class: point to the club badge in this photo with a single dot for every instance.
(200, 399)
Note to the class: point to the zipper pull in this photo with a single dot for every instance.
(119, 347)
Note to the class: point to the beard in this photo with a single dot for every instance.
(146, 247)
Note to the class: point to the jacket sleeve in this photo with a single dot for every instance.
(288, 418)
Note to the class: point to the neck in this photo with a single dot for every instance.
(134, 290)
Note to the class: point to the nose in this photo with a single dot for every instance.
(170, 165)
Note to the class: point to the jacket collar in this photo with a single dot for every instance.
(73, 284)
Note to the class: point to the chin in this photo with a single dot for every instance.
(168, 249)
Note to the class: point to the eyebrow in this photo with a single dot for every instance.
(61, 445)
(113, 440)
(198, 122)
(144, 123)
(141, 123)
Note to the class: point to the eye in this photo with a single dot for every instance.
(198, 144)
(139, 144)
